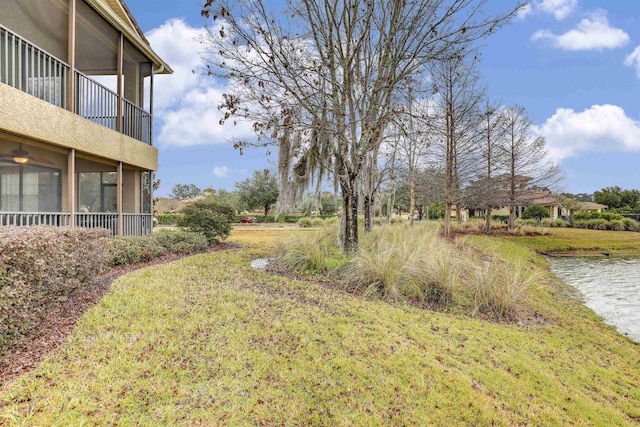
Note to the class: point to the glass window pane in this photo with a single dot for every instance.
(89, 192)
(109, 200)
(109, 178)
(10, 188)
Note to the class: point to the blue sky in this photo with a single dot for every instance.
(573, 64)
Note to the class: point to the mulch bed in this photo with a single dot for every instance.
(60, 318)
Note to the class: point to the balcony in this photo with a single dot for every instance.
(30, 69)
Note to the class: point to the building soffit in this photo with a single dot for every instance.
(117, 14)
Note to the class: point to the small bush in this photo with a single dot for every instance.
(535, 212)
(209, 217)
(528, 222)
(317, 222)
(304, 222)
(40, 264)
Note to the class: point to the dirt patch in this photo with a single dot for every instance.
(59, 319)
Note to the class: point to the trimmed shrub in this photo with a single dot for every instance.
(317, 222)
(209, 217)
(607, 216)
(168, 219)
(124, 250)
(180, 241)
(535, 212)
(40, 264)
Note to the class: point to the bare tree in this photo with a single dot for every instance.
(458, 94)
(331, 70)
(492, 132)
(527, 163)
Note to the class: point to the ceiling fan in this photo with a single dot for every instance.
(22, 157)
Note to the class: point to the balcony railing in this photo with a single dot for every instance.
(132, 224)
(54, 219)
(30, 69)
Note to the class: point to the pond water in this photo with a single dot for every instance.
(609, 286)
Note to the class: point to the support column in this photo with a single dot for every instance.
(119, 199)
(72, 195)
(71, 57)
(119, 70)
(151, 109)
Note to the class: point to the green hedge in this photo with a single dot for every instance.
(168, 219)
(133, 249)
(40, 264)
(607, 216)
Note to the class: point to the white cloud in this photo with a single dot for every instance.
(601, 128)
(633, 60)
(220, 171)
(593, 33)
(186, 102)
(560, 9)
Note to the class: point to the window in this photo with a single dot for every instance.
(30, 188)
(97, 192)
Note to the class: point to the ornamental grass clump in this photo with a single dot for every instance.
(407, 263)
(313, 252)
(41, 264)
(500, 290)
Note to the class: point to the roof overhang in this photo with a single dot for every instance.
(118, 15)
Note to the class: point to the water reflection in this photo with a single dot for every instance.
(610, 287)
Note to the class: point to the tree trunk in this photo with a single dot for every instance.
(349, 223)
(447, 220)
(511, 225)
(266, 213)
(458, 213)
(487, 222)
(368, 214)
(412, 206)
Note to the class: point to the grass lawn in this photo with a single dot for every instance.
(579, 240)
(208, 341)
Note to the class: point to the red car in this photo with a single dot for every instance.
(248, 220)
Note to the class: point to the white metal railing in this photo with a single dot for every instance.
(30, 69)
(133, 224)
(55, 219)
(137, 224)
(98, 220)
